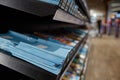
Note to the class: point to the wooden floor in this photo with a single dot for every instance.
(104, 59)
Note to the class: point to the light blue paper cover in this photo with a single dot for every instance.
(56, 2)
(33, 59)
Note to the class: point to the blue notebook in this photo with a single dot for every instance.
(56, 2)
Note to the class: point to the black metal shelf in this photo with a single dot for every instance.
(29, 16)
(33, 71)
(15, 19)
(35, 7)
(41, 8)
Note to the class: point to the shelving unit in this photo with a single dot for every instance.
(29, 16)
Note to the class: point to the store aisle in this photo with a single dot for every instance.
(104, 59)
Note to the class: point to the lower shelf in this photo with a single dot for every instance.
(35, 72)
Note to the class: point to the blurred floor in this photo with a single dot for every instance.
(104, 59)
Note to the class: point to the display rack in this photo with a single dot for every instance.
(31, 70)
(44, 8)
(28, 16)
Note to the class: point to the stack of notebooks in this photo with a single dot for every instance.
(45, 51)
(42, 53)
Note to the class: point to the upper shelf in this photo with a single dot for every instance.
(44, 8)
(31, 6)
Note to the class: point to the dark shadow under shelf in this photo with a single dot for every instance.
(12, 19)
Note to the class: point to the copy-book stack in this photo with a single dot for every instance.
(41, 53)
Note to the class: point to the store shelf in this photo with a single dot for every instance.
(36, 7)
(31, 16)
(43, 8)
(21, 21)
(65, 17)
(13, 62)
